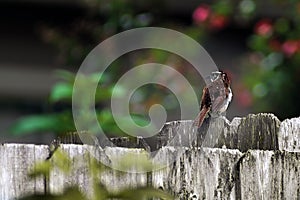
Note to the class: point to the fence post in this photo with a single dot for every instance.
(254, 157)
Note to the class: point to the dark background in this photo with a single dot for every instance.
(27, 62)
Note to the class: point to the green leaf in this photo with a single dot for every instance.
(99, 77)
(118, 91)
(138, 161)
(41, 168)
(39, 197)
(102, 94)
(105, 93)
(142, 193)
(61, 160)
(65, 75)
(140, 120)
(109, 125)
(61, 91)
(96, 168)
(58, 123)
(72, 193)
(105, 116)
(258, 43)
(222, 7)
(35, 123)
(282, 25)
(159, 55)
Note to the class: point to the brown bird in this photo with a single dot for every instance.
(216, 97)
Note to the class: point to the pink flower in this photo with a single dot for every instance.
(244, 98)
(218, 21)
(264, 28)
(201, 14)
(290, 47)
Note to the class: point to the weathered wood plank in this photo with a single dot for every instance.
(262, 131)
(203, 173)
(16, 160)
(79, 174)
(289, 135)
(207, 173)
(258, 132)
(270, 175)
(116, 179)
(80, 156)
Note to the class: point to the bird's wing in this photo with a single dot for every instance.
(201, 116)
(204, 109)
(218, 103)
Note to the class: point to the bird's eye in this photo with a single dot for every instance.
(224, 76)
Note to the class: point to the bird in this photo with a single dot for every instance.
(216, 97)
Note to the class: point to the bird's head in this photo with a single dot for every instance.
(214, 76)
(219, 75)
(225, 79)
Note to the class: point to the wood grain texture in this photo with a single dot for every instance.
(207, 173)
(270, 175)
(16, 160)
(289, 135)
(254, 157)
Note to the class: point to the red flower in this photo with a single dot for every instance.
(218, 21)
(290, 47)
(264, 28)
(201, 14)
(244, 98)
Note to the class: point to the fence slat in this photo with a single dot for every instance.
(79, 175)
(199, 173)
(212, 172)
(270, 175)
(16, 160)
(262, 131)
(209, 173)
(289, 135)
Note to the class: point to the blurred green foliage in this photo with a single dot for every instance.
(103, 19)
(269, 72)
(268, 81)
(62, 122)
(273, 71)
(59, 160)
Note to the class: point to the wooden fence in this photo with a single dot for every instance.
(255, 157)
